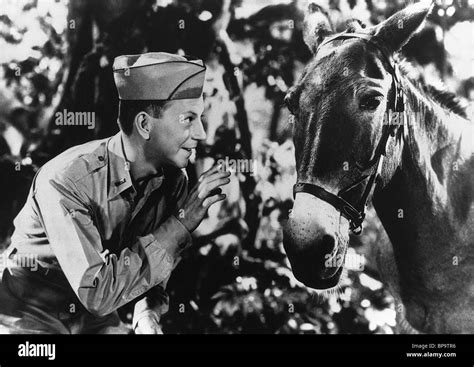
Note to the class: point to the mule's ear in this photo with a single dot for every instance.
(316, 26)
(397, 30)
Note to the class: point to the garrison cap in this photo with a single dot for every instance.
(158, 76)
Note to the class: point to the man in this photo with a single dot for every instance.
(105, 222)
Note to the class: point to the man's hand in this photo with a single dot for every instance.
(148, 325)
(202, 196)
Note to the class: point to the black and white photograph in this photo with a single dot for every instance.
(265, 167)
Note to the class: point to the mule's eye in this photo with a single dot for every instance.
(290, 103)
(370, 102)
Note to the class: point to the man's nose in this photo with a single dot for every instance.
(197, 131)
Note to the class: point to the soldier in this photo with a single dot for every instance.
(105, 222)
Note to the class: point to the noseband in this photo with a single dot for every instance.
(355, 213)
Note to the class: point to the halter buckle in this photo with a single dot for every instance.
(356, 230)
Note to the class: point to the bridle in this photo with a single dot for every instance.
(355, 213)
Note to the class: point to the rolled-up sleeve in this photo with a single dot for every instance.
(104, 281)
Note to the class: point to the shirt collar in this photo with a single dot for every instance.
(120, 178)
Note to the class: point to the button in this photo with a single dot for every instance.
(120, 182)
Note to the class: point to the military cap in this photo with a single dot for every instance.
(158, 76)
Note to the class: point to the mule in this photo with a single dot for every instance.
(363, 131)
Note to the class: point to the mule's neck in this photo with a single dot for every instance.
(425, 209)
(436, 140)
(436, 145)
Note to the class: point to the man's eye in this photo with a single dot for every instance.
(185, 120)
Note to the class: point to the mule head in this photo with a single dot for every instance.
(338, 105)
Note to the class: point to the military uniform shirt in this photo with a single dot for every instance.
(96, 239)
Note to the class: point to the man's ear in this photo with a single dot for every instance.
(143, 124)
(397, 30)
(316, 26)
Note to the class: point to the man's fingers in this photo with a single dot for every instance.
(221, 181)
(213, 185)
(213, 199)
(210, 171)
(215, 176)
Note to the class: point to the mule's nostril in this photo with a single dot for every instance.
(331, 263)
(328, 245)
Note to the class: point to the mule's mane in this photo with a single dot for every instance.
(437, 94)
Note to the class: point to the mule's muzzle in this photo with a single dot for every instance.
(313, 261)
(315, 239)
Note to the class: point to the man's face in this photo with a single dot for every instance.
(176, 132)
